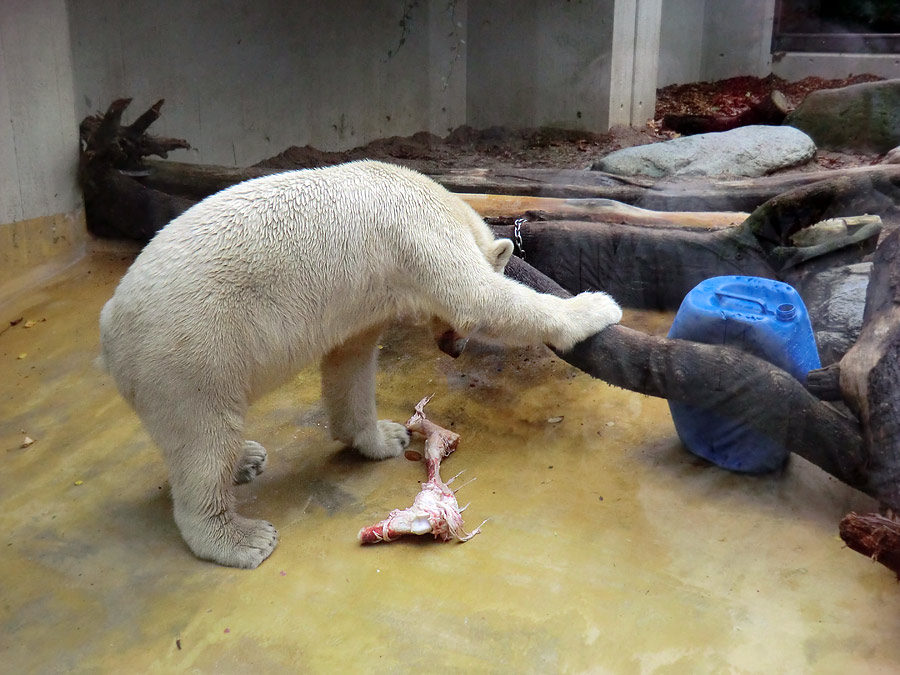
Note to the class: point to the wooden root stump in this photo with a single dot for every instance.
(875, 536)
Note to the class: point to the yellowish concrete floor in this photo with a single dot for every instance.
(609, 548)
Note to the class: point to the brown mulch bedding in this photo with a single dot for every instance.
(499, 147)
(732, 96)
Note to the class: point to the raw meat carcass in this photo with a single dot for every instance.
(435, 509)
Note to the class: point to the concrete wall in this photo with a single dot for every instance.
(41, 218)
(702, 40)
(244, 79)
(797, 65)
(539, 62)
(737, 38)
(38, 132)
(634, 62)
(681, 42)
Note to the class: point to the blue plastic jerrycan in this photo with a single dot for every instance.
(763, 317)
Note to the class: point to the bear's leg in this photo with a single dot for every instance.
(499, 308)
(348, 389)
(202, 448)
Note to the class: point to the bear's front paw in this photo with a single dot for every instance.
(385, 439)
(587, 314)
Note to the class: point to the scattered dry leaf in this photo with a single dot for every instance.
(21, 356)
(555, 420)
(29, 323)
(27, 441)
(79, 482)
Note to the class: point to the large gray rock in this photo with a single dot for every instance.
(862, 117)
(743, 152)
(893, 156)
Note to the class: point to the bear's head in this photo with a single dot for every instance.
(448, 339)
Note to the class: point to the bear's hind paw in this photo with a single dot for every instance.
(232, 540)
(251, 464)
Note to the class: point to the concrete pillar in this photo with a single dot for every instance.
(635, 61)
(447, 54)
(41, 216)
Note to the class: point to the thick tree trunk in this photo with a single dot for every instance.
(669, 195)
(870, 371)
(666, 261)
(645, 267)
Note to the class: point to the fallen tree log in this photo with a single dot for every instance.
(595, 210)
(665, 263)
(771, 109)
(197, 182)
(667, 195)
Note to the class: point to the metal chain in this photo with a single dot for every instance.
(517, 237)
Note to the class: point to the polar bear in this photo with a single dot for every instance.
(235, 295)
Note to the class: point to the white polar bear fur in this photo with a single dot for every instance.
(238, 293)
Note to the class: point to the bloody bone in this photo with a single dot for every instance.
(435, 509)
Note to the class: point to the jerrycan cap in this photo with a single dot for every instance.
(785, 312)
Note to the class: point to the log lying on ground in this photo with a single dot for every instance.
(595, 210)
(668, 195)
(643, 267)
(771, 110)
(196, 181)
(114, 160)
(754, 392)
(665, 263)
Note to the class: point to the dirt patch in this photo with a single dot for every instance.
(495, 147)
(502, 148)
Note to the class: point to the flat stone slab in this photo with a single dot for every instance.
(744, 152)
(861, 118)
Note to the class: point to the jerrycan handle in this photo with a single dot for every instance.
(743, 298)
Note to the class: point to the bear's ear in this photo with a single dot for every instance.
(503, 250)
